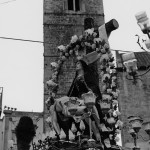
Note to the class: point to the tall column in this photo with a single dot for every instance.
(6, 128)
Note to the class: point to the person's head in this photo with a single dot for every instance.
(81, 65)
(25, 130)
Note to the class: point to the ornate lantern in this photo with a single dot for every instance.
(143, 22)
(147, 43)
(10, 144)
(72, 106)
(111, 120)
(89, 99)
(105, 106)
(130, 62)
(136, 122)
(147, 127)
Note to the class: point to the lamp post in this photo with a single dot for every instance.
(147, 128)
(1, 96)
(136, 123)
(11, 144)
(89, 100)
(143, 22)
(130, 63)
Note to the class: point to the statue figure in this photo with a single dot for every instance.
(85, 80)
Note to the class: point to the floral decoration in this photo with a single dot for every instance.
(78, 47)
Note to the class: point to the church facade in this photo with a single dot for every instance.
(62, 20)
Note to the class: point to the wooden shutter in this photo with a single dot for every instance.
(65, 5)
(82, 5)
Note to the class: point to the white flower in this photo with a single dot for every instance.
(109, 90)
(111, 64)
(114, 114)
(71, 136)
(118, 113)
(108, 69)
(54, 65)
(105, 76)
(115, 102)
(97, 40)
(74, 39)
(113, 84)
(110, 136)
(106, 97)
(103, 88)
(103, 127)
(94, 34)
(114, 78)
(62, 134)
(111, 120)
(61, 48)
(89, 31)
(104, 57)
(118, 131)
(54, 75)
(46, 102)
(110, 55)
(103, 50)
(102, 73)
(113, 70)
(115, 94)
(63, 58)
(107, 143)
(118, 91)
(80, 37)
(119, 124)
(117, 139)
(82, 125)
(49, 119)
(51, 84)
(106, 46)
(73, 128)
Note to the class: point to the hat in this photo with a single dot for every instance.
(111, 25)
(90, 57)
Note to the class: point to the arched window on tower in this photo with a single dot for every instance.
(88, 23)
(74, 6)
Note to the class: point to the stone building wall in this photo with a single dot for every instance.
(60, 25)
(134, 100)
(9, 123)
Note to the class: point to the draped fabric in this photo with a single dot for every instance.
(90, 81)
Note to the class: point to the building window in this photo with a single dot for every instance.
(88, 23)
(74, 5)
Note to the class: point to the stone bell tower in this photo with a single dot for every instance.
(62, 20)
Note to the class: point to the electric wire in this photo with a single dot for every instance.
(7, 2)
(17, 39)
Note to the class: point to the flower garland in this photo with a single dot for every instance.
(78, 47)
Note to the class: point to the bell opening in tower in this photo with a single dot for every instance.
(74, 5)
(70, 4)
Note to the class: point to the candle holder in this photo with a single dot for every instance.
(105, 106)
(72, 106)
(136, 124)
(89, 100)
(130, 63)
(143, 22)
(147, 128)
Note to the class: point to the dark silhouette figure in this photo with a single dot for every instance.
(85, 80)
(25, 131)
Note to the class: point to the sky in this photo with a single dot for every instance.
(21, 63)
(124, 12)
